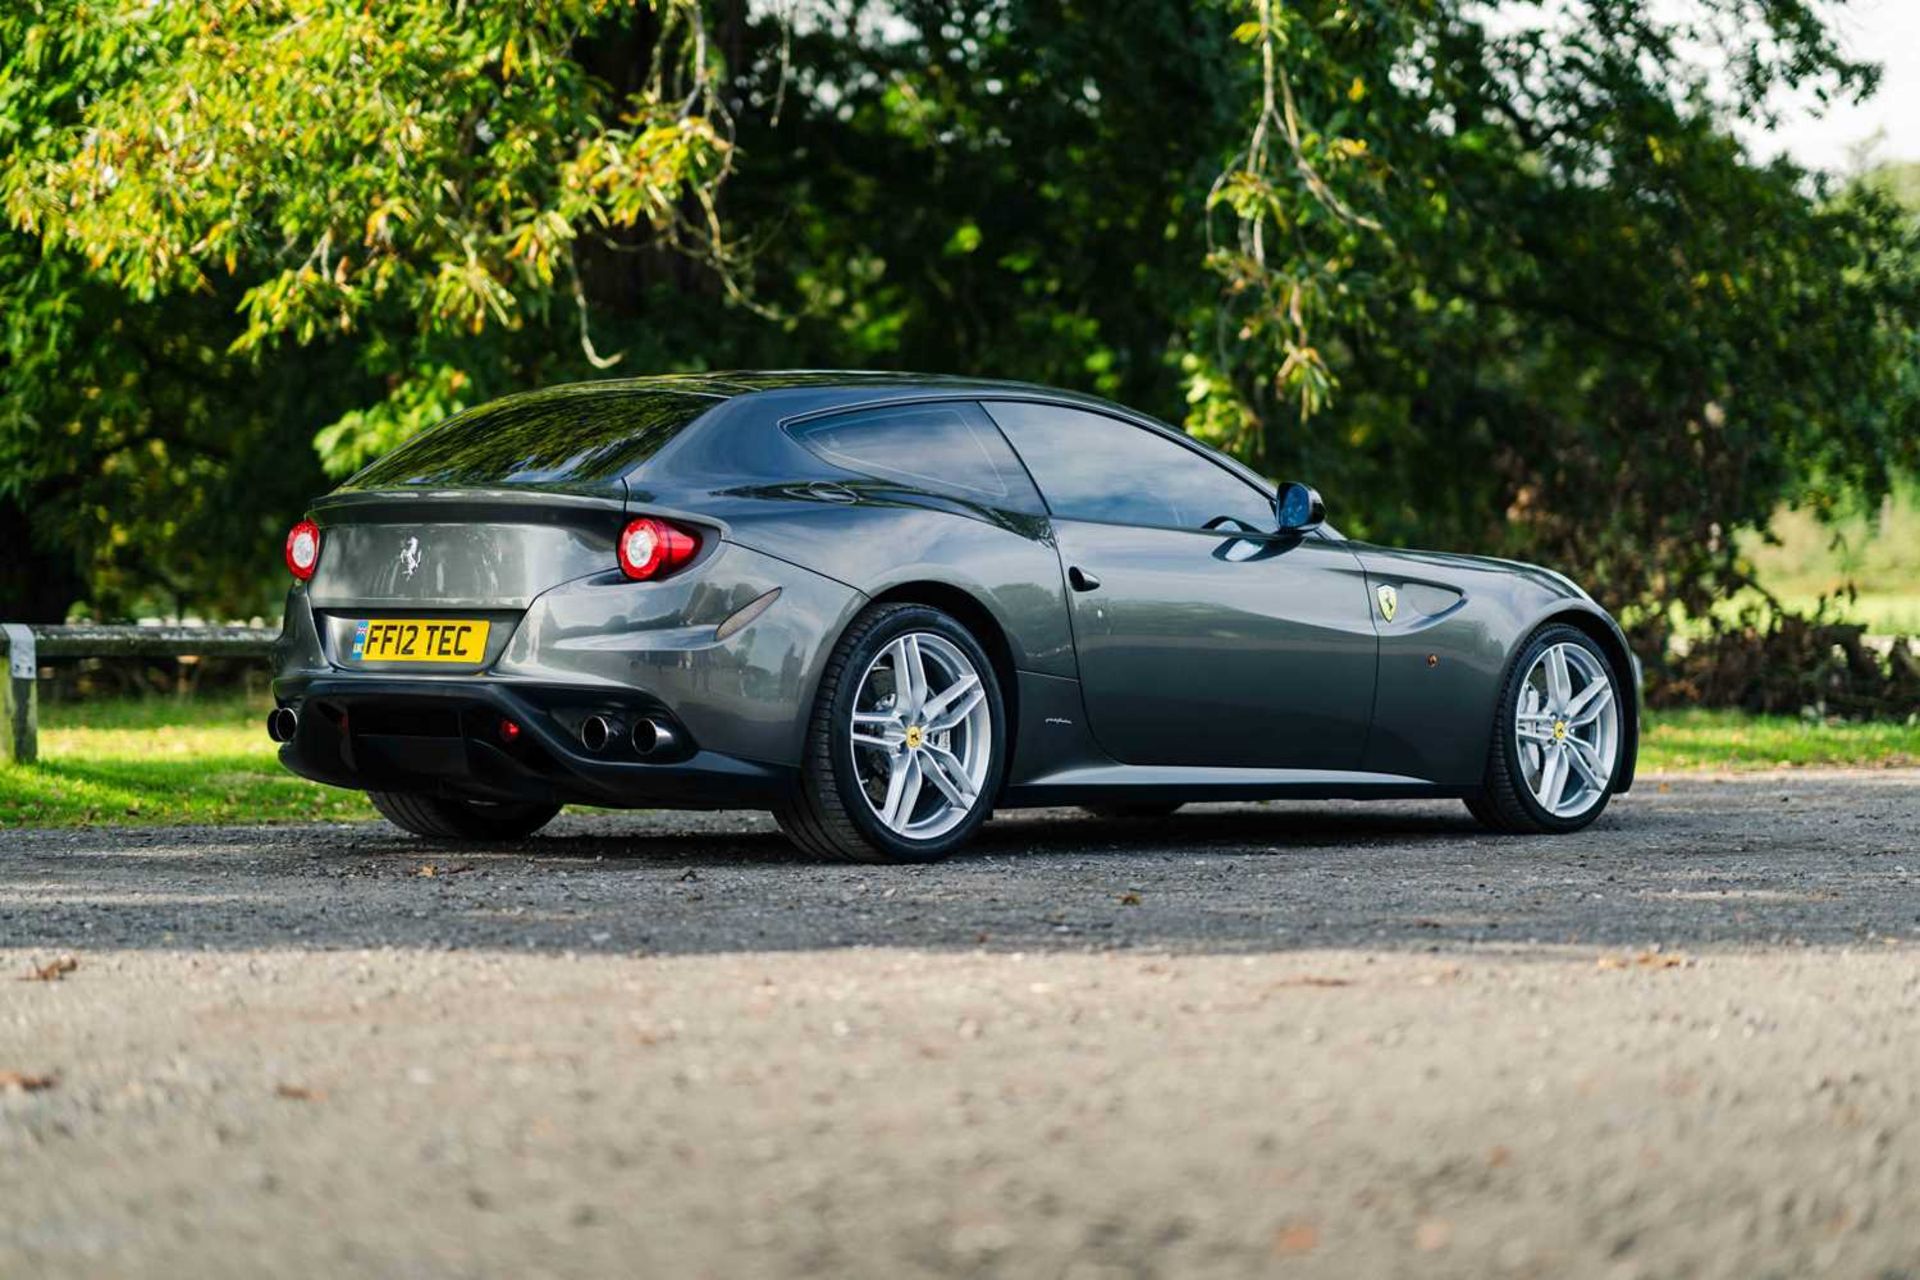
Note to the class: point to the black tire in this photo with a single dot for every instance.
(441, 819)
(1505, 802)
(827, 815)
(1142, 811)
(1479, 808)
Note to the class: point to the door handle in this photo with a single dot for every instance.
(1080, 580)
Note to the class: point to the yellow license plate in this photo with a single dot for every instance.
(419, 640)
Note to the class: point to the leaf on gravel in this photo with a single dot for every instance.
(1129, 899)
(1650, 959)
(689, 876)
(428, 870)
(20, 1082)
(298, 1093)
(1312, 981)
(52, 972)
(1296, 1238)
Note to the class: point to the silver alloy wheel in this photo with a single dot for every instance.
(1566, 727)
(922, 735)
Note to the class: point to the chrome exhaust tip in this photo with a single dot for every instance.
(595, 733)
(282, 724)
(651, 737)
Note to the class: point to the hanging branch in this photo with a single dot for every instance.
(594, 358)
(1287, 297)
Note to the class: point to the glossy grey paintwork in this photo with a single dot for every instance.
(461, 565)
(773, 494)
(1445, 655)
(456, 549)
(1236, 651)
(1280, 655)
(297, 655)
(603, 632)
(736, 695)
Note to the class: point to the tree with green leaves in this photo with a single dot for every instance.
(244, 230)
(1512, 282)
(1494, 278)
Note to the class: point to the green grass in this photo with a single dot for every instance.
(165, 761)
(162, 761)
(1677, 741)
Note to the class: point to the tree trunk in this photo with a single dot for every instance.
(37, 583)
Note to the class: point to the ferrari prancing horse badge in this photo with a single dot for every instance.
(1389, 601)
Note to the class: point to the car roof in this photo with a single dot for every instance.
(797, 393)
(789, 395)
(728, 383)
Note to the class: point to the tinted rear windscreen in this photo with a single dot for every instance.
(568, 438)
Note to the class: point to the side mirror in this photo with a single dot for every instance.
(1298, 508)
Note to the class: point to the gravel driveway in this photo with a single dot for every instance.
(1316, 1039)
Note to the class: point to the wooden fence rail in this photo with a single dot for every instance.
(27, 647)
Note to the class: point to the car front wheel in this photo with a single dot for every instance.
(1559, 734)
(905, 745)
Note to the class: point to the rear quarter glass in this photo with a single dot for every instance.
(947, 447)
(585, 437)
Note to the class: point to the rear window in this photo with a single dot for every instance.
(569, 438)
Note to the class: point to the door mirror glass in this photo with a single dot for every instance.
(1298, 508)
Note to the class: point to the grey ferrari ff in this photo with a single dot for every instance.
(883, 606)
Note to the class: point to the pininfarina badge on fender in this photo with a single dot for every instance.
(883, 606)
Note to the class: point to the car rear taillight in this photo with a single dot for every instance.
(651, 548)
(303, 549)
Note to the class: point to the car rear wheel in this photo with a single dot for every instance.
(904, 750)
(444, 819)
(1558, 738)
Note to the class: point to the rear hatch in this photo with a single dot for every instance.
(430, 556)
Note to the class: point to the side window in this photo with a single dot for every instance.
(1092, 467)
(948, 448)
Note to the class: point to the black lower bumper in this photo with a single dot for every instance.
(445, 738)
